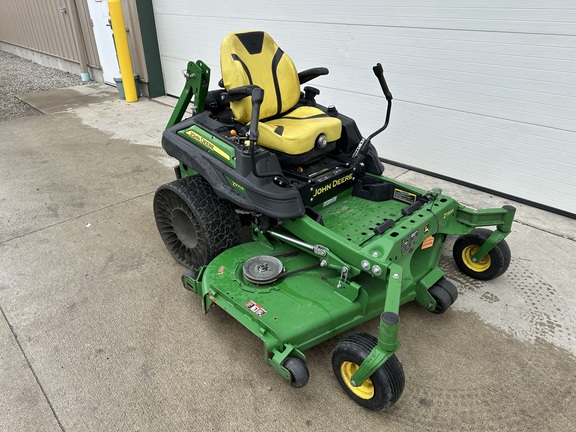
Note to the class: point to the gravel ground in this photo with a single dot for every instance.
(18, 76)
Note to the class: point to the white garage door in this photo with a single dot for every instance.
(485, 94)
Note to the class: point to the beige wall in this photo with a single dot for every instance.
(41, 26)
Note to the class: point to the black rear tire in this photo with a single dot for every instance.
(383, 388)
(194, 223)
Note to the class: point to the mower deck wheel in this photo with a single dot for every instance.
(449, 287)
(194, 223)
(383, 388)
(298, 371)
(492, 265)
(442, 297)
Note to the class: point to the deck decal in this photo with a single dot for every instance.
(409, 241)
(256, 308)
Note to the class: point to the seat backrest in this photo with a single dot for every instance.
(254, 58)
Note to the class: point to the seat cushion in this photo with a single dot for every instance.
(254, 58)
(296, 132)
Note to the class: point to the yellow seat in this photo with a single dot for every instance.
(253, 58)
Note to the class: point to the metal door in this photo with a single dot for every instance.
(104, 39)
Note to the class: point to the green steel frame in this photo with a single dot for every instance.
(197, 76)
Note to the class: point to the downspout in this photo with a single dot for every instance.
(80, 42)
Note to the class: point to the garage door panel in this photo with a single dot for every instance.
(482, 131)
(175, 42)
(503, 19)
(515, 158)
(484, 93)
(536, 108)
(490, 175)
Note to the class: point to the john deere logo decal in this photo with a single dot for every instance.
(211, 144)
(207, 144)
(329, 186)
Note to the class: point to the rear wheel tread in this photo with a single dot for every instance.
(215, 221)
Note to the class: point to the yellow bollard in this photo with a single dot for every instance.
(124, 60)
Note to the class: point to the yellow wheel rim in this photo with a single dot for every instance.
(479, 266)
(366, 390)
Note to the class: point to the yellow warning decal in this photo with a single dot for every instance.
(429, 242)
(203, 141)
(404, 196)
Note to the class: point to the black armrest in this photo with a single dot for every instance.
(310, 74)
(238, 93)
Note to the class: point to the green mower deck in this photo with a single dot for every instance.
(318, 296)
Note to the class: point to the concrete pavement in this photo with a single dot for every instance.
(97, 333)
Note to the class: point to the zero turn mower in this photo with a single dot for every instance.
(334, 243)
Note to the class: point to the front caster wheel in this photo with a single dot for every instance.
(298, 371)
(492, 265)
(443, 300)
(383, 388)
(445, 294)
